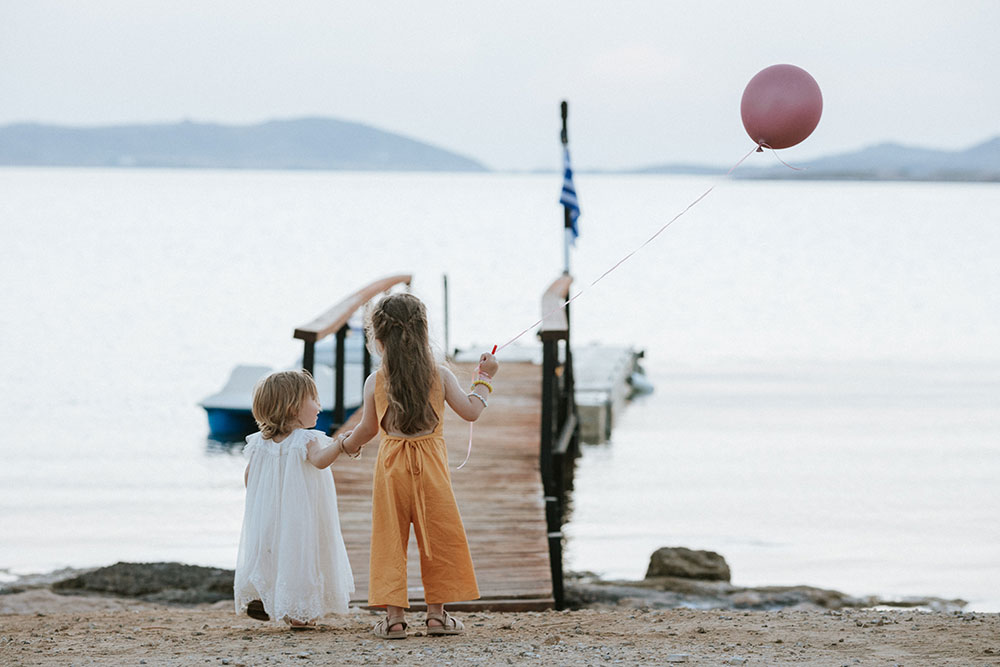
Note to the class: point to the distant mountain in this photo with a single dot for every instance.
(896, 162)
(882, 162)
(306, 143)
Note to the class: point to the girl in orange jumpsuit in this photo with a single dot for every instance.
(404, 404)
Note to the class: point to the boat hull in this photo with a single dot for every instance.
(234, 425)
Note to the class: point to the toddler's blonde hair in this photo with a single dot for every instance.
(277, 399)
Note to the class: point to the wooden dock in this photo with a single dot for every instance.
(499, 494)
(511, 492)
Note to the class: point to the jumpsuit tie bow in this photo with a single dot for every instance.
(412, 450)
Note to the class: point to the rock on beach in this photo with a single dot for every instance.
(154, 582)
(687, 564)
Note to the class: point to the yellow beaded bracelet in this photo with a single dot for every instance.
(484, 383)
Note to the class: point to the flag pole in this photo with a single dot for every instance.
(567, 217)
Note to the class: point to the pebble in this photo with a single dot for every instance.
(677, 657)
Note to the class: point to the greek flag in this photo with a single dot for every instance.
(568, 198)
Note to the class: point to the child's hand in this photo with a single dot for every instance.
(353, 453)
(488, 364)
(312, 447)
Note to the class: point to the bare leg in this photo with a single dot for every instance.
(434, 609)
(395, 614)
(439, 623)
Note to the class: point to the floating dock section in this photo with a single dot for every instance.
(607, 376)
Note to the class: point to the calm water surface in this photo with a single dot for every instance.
(827, 404)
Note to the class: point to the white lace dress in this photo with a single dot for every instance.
(292, 554)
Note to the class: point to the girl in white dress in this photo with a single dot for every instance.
(292, 566)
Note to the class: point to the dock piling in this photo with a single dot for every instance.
(559, 444)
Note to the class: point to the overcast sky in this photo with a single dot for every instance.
(648, 81)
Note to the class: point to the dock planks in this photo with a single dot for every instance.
(499, 494)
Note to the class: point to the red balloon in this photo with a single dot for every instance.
(781, 106)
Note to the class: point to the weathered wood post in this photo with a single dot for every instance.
(338, 379)
(309, 356)
(559, 429)
(366, 363)
(547, 463)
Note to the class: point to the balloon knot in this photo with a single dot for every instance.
(760, 148)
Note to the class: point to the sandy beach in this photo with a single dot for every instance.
(39, 627)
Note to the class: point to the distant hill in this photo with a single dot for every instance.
(306, 143)
(896, 162)
(882, 162)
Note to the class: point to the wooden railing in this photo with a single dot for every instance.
(335, 322)
(560, 440)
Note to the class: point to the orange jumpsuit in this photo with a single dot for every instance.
(412, 484)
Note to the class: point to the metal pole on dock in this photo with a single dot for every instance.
(447, 344)
(567, 214)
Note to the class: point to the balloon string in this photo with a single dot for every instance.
(775, 153)
(468, 452)
(629, 255)
(475, 376)
(606, 273)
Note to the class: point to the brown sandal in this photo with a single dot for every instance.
(255, 609)
(449, 625)
(382, 631)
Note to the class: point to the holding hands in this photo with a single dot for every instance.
(321, 457)
(342, 439)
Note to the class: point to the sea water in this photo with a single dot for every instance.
(827, 376)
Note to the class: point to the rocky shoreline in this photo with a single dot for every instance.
(677, 578)
(165, 583)
(588, 591)
(681, 578)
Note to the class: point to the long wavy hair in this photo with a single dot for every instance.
(277, 399)
(399, 323)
